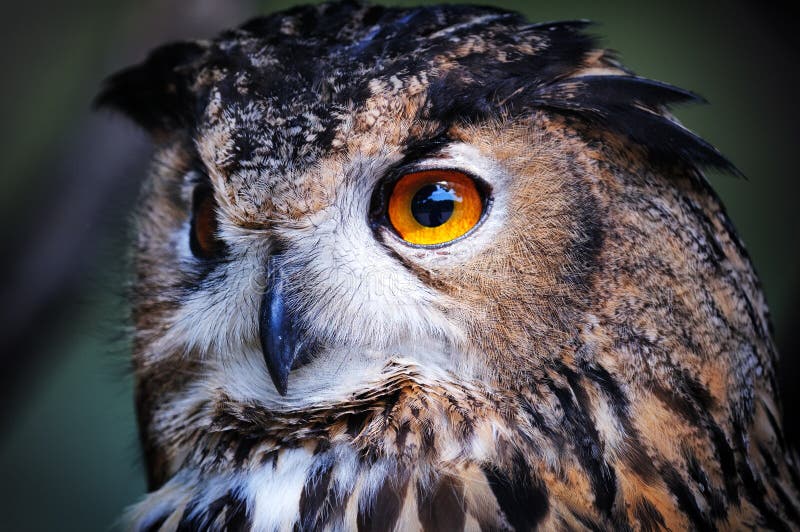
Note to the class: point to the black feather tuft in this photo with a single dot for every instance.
(634, 107)
(156, 94)
(523, 498)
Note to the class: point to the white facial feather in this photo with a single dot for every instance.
(347, 288)
(274, 492)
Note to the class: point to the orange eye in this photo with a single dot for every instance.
(434, 206)
(203, 239)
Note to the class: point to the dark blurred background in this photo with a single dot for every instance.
(68, 452)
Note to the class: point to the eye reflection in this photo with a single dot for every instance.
(433, 204)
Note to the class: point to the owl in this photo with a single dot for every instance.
(439, 269)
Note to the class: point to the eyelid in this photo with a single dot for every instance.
(387, 183)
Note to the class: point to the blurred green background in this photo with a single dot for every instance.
(68, 451)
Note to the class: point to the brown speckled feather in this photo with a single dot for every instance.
(595, 354)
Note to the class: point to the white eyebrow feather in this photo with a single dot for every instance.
(464, 25)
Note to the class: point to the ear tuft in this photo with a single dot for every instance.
(156, 94)
(634, 107)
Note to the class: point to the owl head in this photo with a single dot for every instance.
(348, 197)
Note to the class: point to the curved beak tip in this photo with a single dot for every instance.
(281, 382)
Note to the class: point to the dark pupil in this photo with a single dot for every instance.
(433, 205)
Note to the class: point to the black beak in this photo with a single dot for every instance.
(281, 341)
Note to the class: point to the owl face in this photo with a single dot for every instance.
(328, 280)
(423, 192)
(439, 268)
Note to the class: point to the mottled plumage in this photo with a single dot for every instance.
(595, 354)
